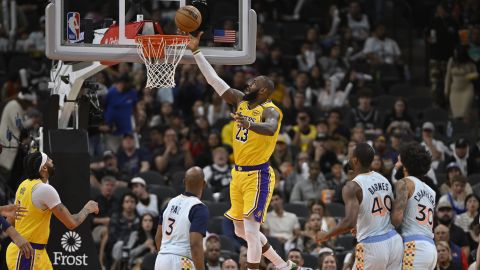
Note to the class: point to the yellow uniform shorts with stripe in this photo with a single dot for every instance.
(39, 260)
(250, 192)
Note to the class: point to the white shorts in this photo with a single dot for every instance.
(173, 262)
(419, 254)
(380, 255)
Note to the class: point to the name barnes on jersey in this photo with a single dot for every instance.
(423, 193)
(377, 187)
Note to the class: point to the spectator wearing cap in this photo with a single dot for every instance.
(443, 239)
(213, 260)
(453, 170)
(132, 160)
(461, 155)
(436, 148)
(465, 220)
(399, 119)
(218, 175)
(119, 105)
(13, 120)
(457, 194)
(304, 132)
(310, 188)
(147, 202)
(321, 152)
(445, 216)
(365, 114)
(283, 151)
(279, 223)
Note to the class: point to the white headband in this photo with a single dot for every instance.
(44, 160)
(30, 96)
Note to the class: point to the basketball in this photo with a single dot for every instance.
(188, 18)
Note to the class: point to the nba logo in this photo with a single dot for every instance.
(73, 26)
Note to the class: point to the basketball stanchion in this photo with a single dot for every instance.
(161, 55)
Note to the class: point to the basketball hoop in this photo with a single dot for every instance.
(161, 54)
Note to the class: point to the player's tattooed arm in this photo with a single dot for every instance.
(350, 194)
(400, 202)
(73, 221)
(268, 127)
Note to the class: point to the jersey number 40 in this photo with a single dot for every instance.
(381, 206)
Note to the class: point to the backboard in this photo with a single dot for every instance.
(92, 30)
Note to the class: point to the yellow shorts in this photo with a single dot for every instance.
(250, 192)
(40, 260)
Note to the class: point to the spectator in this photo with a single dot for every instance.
(457, 235)
(327, 261)
(295, 255)
(242, 258)
(336, 178)
(218, 175)
(292, 110)
(321, 153)
(465, 220)
(461, 156)
(108, 166)
(459, 91)
(436, 148)
(279, 223)
(399, 119)
(311, 188)
(380, 146)
(380, 49)
(299, 173)
(132, 160)
(444, 259)
(456, 197)
(147, 203)
(333, 63)
(141, 242)
(331, 98)
(306, 60)
(393, 149)
(335, 126)
(313, 225)
(365, 115)
(379, 166)
(452, 170)
(318, 207)
(119, 105)
(122, 224)
(446, 248)
(304, 132)
(358, 22)
(283, 151)
(213, 261)
(441, 36)
(229, 264)
(206, 157)
(172, 158)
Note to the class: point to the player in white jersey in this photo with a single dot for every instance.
(368, 201)
(413, 208)
(182, 226)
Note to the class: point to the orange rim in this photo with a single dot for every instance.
(154, 45)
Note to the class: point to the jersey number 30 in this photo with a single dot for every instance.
(425, 215)
(381, 206)
(242, 134)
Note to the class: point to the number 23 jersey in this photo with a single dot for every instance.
(374, 213)
(184, 214)
(250, 148)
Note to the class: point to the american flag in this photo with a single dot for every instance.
(224, 36)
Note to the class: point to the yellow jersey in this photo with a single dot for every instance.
(305, 139)
(35, 225)
(250, 148)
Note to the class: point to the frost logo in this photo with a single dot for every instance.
(71, 241)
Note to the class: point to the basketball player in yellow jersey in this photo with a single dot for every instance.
(40, 200)
(254, 138)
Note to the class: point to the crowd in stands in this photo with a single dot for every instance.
(340, 79)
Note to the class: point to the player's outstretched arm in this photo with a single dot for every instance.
(400, 203)
(158, 237)
(352, 206)
(230, 95)
(196, 246)
(73, 221)
(268, 127)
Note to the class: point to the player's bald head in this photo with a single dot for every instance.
(194, 178)
(266, 82)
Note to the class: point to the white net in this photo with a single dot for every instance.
(161, 56)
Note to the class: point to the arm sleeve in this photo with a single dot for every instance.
(45, 196)
(198, 217)
(4, 225)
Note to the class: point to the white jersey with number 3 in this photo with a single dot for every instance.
(374, 213)
(176, 226)
(418, 217)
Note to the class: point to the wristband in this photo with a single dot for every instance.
(196, 51)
